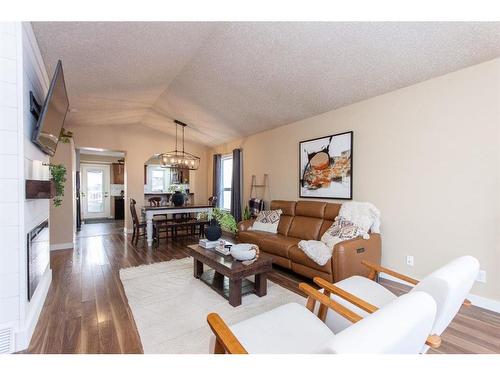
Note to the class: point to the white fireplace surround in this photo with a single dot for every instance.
(22, 70)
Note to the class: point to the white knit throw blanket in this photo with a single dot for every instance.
(316, 250)
(362, 214)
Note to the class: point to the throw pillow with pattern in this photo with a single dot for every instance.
(341, 230)
(267, 221)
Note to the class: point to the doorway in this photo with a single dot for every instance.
(101, 187)
(95, 191)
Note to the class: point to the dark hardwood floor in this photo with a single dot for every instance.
(86, 310)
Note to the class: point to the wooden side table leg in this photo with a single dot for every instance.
(234, 292)
(197, 269)
(261, 284)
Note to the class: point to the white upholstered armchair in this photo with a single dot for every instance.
(448, 285)
(402, 326)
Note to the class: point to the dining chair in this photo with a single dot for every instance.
(154, 201)
(448, 285)
(400, 327)
(212, 201)
(139, 227)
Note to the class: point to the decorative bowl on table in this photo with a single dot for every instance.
(244, 251)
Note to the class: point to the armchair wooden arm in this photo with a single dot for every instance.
(226, 341)
(314, 295)
(434, 341)
(376, 269)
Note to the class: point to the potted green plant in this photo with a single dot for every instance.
(225, 220)
(58, 177)
(179, 194)
(213, 231)
(220, 220)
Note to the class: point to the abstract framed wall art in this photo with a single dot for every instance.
(325, 167)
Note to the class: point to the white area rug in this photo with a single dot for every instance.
(170, 306)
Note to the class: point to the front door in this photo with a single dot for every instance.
(95, 191)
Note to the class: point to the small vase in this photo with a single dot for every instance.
(178, 199)
(213, 232)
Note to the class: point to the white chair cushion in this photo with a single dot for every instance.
(287, 329)
(400, 327)
(361, 287)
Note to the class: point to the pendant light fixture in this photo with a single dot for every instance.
(179, 158)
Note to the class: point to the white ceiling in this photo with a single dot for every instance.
(228, 80)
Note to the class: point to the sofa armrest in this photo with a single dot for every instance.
(245, 224)
(347, 256)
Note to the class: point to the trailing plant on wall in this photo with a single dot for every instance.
(58, 175)
(65, 135)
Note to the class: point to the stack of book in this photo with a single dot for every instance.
(206, 244)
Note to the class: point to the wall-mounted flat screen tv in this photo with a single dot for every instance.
(52, 114)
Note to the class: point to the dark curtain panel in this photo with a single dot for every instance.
(217, 183)
(236, 188)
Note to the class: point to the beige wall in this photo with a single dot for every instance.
(62, 218)
(427, 155)
(139, 143)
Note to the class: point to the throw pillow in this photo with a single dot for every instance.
(341, 230)
(267, 221)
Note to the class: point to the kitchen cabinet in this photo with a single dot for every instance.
(118, 174)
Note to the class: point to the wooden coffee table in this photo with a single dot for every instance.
(227, 276)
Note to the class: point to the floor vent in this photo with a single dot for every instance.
(6, 340)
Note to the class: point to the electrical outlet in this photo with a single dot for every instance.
(481, 276)
(409, 260)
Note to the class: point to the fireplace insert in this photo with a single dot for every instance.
(38, 255)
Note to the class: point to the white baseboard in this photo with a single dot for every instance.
(61, 246)
(23, 336)
(483, 302)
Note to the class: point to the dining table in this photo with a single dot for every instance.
(150, 211)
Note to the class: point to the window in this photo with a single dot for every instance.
(158, 179)
(227, 181)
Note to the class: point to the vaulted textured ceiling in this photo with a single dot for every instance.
(228, 80)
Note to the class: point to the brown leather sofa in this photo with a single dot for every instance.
(308, 220)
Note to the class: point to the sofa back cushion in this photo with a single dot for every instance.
(310, 209)
(288, 211)
(287, 207)
(305, 228)
(307, 221)
(331, 212)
